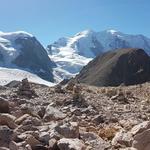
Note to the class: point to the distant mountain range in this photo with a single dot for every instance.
(63, 58)
(72, 53)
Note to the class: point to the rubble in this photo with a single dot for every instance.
(79, 118)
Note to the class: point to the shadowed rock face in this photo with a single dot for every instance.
(34, 57)
(123, 66)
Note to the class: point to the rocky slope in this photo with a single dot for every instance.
(72, 53)
(22, 50)
(74, 117)
(113, 68)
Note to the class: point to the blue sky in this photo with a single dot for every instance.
(50, 19)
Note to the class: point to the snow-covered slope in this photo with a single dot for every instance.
(7, 75)
(72, 53)
(21, 50)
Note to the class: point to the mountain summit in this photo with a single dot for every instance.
(72, 53)
(22, 50)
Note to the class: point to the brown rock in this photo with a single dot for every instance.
(122, 138)
(70, 144)
(7, 119)
(32, 141)
(4, 105)
(142, 140)
(5, 136)
(21, 119)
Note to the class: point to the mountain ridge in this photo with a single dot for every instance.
(76, 51)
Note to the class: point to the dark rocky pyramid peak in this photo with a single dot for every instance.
(123, 66)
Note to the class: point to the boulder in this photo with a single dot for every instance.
(21, 119)
(4, 105)
(44, 137)
(122, 138)
(32, 141)
(68, 130)
(53, 144)
(93, 139)
(7, 119)
(70, 144)
(53, 114)
(142, 140)
(140, 127)
(98, 119)
(13, 146)
(6, 135)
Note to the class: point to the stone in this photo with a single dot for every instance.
(6, 135)
(107, 132)
(122, 138)
(7, 119)
(93, 139)
(98, 119)
(21, 119)
(142, 140)
(41, 111)
(32, 120)
(53, 114)
(13, 146)
(53, 144)
(68, 130)
(4, 105)
(44, 137)
(140, 127)
(70, 144)
(32, 141)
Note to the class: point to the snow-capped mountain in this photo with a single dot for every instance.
(72, 53)
(22, 51)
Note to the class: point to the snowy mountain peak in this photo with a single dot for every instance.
(22, 50)
(112, 31)
(85, 32)
(15, 35)
(71, 54)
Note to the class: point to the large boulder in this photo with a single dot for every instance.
(113, 68)
(141, 133)
(142, 140)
